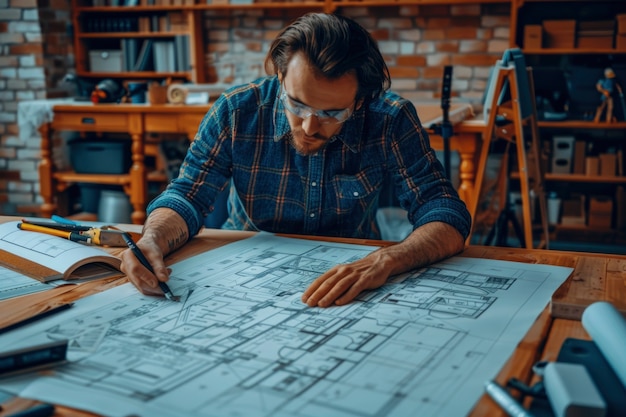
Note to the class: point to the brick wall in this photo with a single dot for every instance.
(35, 52)
(416, 41)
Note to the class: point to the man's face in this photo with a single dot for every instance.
(317, 99)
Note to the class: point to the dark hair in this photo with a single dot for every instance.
(335, 46)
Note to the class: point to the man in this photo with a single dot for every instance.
(306, 151)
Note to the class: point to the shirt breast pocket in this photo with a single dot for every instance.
(357, 192)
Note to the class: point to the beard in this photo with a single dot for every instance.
(307, 145)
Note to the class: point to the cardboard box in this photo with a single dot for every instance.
(592, 165)
(106, 61)
(157, 94)
(573, 211)
(621, 24)
(559, 33)
(560, 25)
(595, 42)
(600, 212)
(533, 37)
(608, 164)
(580, 153)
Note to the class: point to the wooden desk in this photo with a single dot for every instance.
(542, 342)
(139, 119)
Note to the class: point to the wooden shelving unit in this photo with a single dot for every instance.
(567, 55)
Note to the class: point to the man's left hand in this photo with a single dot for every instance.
(343, 283)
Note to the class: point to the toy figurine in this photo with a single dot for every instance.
(607, 87)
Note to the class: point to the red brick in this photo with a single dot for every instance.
(447, 46)
(380, 34)
(23, 4)
(461, 32)
(26, 49)
(404, 72)
(434, 34)
(438, 23)
(435, 10)
(411, 60)
(433, 72)
(475, 60)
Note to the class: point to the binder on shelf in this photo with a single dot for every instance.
(145, 59)
(164, 56)
(129, 53)
(181, 46)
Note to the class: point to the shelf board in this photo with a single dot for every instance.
(585, 178)
(580, 124)
(123, 35)
(281, 5)
(579, 178)
(410, 2)
(268, 5)
(570, 51)
(135, 74)
(124, 9)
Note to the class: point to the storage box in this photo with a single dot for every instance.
(106, 61)
(595, 42)
(533, 37)
(600, 212)
(621, 24)
(573, 211)
(608, 164)
(592, 165)
(562, 154)
(90, 195)
(101, 156)
(580, 153)
(559, 33)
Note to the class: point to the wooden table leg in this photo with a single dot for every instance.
(467, 146)
(46, 180)
(138, 192)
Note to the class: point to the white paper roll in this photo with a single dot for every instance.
(177, 93)
(607, 328)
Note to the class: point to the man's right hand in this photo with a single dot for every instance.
(140, 276)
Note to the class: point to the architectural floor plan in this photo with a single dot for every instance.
(243, 344)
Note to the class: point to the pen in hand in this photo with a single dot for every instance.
(140, 256)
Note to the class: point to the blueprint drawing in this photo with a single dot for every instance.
(14, 284)
(243, 344)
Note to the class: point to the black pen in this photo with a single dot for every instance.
(36, 317)
(41, 410)
(139, 254)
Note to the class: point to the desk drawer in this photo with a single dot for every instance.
(108, 122)
(173, 123)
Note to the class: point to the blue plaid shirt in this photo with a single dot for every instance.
(244, 140)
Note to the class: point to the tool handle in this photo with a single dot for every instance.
(58, 226)
(76, 237)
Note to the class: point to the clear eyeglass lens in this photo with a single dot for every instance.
(324, 117)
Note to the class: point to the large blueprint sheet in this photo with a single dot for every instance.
(243, 344)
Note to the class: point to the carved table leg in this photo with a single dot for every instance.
(46, 180)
